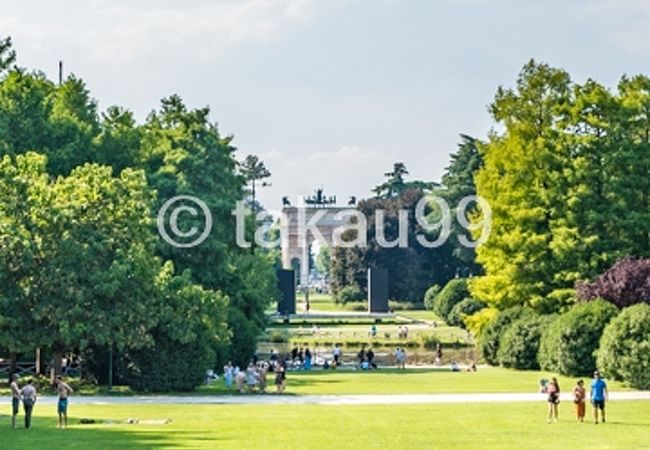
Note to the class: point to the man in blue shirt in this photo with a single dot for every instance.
(599, 395)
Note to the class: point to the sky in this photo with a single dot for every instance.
(329, 94)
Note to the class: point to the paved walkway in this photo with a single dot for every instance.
(374, 399)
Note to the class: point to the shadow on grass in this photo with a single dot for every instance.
(45, 435)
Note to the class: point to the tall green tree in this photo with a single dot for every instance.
(254, 171)
(458, 184)
(395, 185)
(566, 183)
(58, 121)
(521, 180)
(184, 154)
(119, 140)
(80, 265)
(7, 54)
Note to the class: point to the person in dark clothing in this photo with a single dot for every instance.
(361, 356)
(370, 356)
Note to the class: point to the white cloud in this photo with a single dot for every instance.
(346, 154)
(121, 34)
(624, 22)
(349, 170)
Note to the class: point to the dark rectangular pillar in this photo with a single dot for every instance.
(377, 290)
(287, 288)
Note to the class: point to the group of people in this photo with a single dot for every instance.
(27, 395)
(300, 358)
(598, 395)
(366, 359)
(254, 378)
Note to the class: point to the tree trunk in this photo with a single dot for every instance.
(57, 365)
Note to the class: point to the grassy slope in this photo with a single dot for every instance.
(471, 426)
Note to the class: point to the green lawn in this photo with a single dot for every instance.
(321, 302)
(415, 381)
(391, 381)
(421, 314)
(387, 335)
(512, 426)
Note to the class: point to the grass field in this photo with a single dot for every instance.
(354, 332)
(513, 426)
(415, 381)
(387, 335)
(394, 381)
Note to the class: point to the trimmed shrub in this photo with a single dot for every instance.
(624, 352)
(519, 343)
(465, 308)
(429, 341)
(430, 296)
(477, 322)
(356, 306)
(350, 294)
(168, 366)
(489, 341)
(278, 336)
(454, 292)
(569, 343)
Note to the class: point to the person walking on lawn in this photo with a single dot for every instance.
(598, 395)
(28, 394)
(579, 395)
(15, 399)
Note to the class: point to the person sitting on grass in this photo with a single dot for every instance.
(454, 367)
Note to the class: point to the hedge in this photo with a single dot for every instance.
(465, 308)
(624, 352)
(491, 333)
(519, 343)
(454, 292)
(569, 343)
